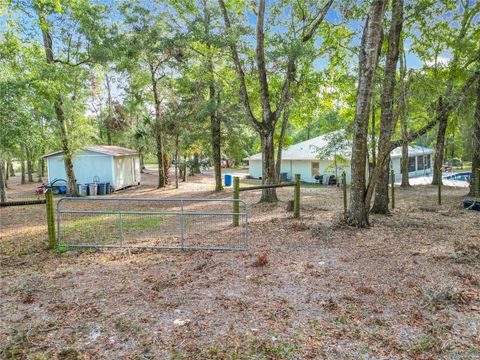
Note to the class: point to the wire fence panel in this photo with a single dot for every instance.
(193, 224)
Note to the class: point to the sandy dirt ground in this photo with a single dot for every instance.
(310, 288)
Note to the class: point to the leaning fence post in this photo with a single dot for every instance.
(296, 197)
(344, 189)
(52, 240)
(393, 188)
(236, 197)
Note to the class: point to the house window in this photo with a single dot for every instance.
(428, 159)
(420, 162)
(315, 168)
(411, 164)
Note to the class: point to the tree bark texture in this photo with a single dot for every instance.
(475, 179)
(368, 59)
(29, 165)
(379, 178)
(442, 114)
(382, 199)
(214, 104)
(3, 193)
(11, 168)
(281, 139)
(158, 129)
(72, 189)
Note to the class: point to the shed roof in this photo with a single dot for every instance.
(101, 149)
(326, 146)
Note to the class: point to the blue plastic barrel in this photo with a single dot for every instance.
(228, 180)
(101, 188)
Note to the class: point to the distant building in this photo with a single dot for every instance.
(118, 166)
(329, 155)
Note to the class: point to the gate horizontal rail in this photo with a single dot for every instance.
(170, 223)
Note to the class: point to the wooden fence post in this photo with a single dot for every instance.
(236, 197)
(393, 188)
(296, 197)
(52, 239)
(344, 189)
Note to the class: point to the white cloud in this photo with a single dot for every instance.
(441, 60)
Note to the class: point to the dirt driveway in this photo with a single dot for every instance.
(407, 287)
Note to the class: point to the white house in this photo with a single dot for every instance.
(330, 154)
(419, 161)
(105, 164)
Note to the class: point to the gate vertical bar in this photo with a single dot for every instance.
(120, 224)
(58, 222)
(182, 226)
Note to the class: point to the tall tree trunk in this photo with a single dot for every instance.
(380, 204)
(268, 166)
(29, 165)
(7, 173)
(40, 170)
(3, 193)
(196, 163)
(214, 103)
(110, 110)
(388, 120)
(11, 168)
(166, 168)
(404, 160)
(373, 135)
(158, 129)
(177, 141)
(184, 178)
(442, 114)
(475, 179)
(269, 117)
(22, 165)
(281, 139)
(58, 106)
(368, 60)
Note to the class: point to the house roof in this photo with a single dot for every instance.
(413, 150)
(321, 147)
(101, 149)
(326, 146)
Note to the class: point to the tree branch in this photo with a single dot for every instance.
(261, 67)
(238, 67)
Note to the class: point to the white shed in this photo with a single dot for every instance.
(109, 164)
(321, 156)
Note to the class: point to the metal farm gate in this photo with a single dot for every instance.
(193, 224)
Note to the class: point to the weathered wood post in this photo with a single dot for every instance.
(296, 197)
(393, 188)
(344, 189)
(52, 240)
(236, 197)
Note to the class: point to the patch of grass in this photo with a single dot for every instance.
(425, 344)
(146, 222)
(126, 326)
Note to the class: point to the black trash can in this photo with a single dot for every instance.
(108, 188)
(101, 189)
